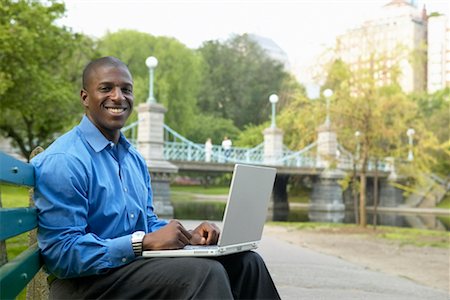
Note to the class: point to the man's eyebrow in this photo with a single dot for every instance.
(111, 82)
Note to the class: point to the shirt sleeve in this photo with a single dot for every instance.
(68, 248)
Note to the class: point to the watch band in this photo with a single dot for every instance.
(137, 248)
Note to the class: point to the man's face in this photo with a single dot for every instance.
(108, 99)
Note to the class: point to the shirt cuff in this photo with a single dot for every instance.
(120, 250)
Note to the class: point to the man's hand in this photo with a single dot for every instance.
(171, 236)
(205, 234)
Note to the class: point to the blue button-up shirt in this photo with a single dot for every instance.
(91, 196)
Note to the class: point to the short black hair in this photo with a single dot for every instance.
(107, 60)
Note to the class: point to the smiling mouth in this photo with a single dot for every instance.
(116, 110)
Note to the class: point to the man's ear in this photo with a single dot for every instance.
(84, 98)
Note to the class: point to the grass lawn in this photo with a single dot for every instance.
(13, 196)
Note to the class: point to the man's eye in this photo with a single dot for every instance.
(105, 89)
(127, 91)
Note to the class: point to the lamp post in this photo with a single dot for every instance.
(273, 99)
(151, 63)
(410, 132)
(328, 93)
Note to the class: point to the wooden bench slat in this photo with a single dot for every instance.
(16, 274)
(15, 171)
(14, 221)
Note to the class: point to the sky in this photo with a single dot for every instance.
(302, 28)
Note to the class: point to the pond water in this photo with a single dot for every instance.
(213, 210)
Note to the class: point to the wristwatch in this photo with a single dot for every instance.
(136, 241)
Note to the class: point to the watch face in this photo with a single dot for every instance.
(138, 235)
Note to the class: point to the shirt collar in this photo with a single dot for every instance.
(95, 138)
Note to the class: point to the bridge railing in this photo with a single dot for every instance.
(303, 158)
(177, 147)
(131, 132)
(196, 152)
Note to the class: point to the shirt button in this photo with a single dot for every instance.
(132, 216)
(125, 189)
(124, 259)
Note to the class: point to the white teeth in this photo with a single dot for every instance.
(116, 110)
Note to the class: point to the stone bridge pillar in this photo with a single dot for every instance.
(327, 148)
(279, 208)
(273, 152)
(327, 194)
(150, 142)
(273, 145)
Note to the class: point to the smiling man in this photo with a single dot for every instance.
(96, 215)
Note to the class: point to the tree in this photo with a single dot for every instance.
(381, 112)
(36, 90)
(434, 108)
(299, 121)
(292, 96)
(239, 77)
(208, 126)
(177, 76)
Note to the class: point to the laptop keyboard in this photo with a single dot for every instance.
(195, 247)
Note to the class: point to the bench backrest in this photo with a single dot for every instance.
(15, 274)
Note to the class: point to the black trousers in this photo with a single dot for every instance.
(237, 276)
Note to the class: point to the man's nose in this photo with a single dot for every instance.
(117, 94)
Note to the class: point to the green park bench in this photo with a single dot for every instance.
(17, 273)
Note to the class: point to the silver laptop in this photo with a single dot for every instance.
(244, 217)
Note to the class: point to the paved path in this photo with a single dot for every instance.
(300, 273)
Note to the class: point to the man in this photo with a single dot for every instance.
(96, 214)
(226, 145)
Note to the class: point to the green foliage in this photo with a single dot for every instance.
(252, 135)
(208, 126)
(434, 110)
(445, 219)
(36, 96)
(238, 79)
(338, 75)
(445, 203)
(291, 93)
(299, 121)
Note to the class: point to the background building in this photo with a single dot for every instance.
(396, 35)
(438, 68)
(272, 49)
